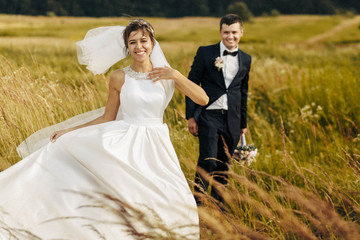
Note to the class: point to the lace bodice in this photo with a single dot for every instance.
(141, 99)
(135, 75)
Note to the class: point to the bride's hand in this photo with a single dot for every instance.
(57, 134)
(163, 73)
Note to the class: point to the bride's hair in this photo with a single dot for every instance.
(135, 25)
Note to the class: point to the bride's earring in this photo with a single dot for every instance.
(127, 52)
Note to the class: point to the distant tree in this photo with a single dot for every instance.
(241, 9)
(274, 13)
(50, 14)
(350, 13)
(348, 4)
(259, 7)
(39, 7)
(24, 6)
(3, 6)
(175, 8)
(56, 7)
(324, 7)
(218, 8)
(200, 8)
(76, 10)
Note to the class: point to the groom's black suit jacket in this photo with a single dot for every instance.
(203, 72)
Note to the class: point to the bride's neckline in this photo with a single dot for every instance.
(134, 74)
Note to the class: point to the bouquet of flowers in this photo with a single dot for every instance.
(245, 154)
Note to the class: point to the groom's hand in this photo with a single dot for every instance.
(193, 127)
(243, 131)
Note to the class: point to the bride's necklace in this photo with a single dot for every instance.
(136, 75)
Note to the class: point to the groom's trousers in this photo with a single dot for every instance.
(214, 156)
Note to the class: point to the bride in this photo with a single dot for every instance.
(115, 177)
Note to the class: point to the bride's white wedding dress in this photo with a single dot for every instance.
(65, 190)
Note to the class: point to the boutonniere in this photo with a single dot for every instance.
(219, 63)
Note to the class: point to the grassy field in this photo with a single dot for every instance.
(303, 109)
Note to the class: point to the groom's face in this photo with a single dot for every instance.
(231, 34)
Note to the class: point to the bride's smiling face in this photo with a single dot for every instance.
(140, 45)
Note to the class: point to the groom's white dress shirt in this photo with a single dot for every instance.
(230, 69)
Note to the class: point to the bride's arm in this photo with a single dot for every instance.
(117, 79)
(184, 85)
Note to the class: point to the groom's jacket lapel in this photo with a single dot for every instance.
(220, 74)
(241, 71)
(214, 82)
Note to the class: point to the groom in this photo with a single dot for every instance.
(222, 70)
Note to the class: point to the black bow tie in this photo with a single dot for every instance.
(230, 53)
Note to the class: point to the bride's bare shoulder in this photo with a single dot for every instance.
(117, 78)
(117, 74)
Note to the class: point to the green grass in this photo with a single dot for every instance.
(288, 29)
(347, 36)
(303, 114)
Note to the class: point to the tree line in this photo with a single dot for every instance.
(172, 8)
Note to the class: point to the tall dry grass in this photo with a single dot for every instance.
(30, 102)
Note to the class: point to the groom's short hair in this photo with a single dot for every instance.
(229, 19)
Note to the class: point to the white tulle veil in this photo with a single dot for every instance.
(100, 49)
